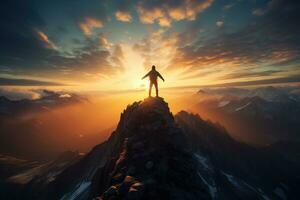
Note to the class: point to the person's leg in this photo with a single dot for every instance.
(156, 89)
(150, 88)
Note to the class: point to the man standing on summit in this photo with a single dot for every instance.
(153, 74)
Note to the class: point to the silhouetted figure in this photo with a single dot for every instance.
(153, 74)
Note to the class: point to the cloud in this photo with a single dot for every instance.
(265, 49)
(160, 46)
(103, 42)
(20, 44)
(164, 13)
(249, 73)
(228, 6)
(27, 82)
(89, 24)
(48, 43)
(29, 45)
(17, 94)
(269, 81)
(220, 23)
(65, 96)
(282, 80)
(272, 40)
(32, 45)
(123, 16)
(258, 12)
(118, 56)
(95, 58)
(271, 5)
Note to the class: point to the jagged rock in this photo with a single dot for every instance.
(134, 193)
(118, 177)
(131, 170)
(153, 153)
(137, 185)
(128, 180)
(138, 146)
(112, 191)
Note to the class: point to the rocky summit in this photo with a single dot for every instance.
(151, 160)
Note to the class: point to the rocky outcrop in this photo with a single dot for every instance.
(151, 159)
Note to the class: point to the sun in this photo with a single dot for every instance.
(134, 69)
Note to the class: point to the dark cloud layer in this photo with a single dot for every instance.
(26, 82)
(20, 45)
(26, 47)
(288, 79)
(271, 38)
(247, 74)
(92, 58)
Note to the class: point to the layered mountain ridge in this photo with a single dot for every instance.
(258, 116)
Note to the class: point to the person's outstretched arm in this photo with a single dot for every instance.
(146, 75)
(160, 76)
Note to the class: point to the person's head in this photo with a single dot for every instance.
(153, 67)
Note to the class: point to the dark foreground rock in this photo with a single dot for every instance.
(152, 161)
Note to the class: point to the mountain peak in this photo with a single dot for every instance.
(147, 114)
(150, 159)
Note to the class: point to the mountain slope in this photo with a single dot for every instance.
(22, 178)
(254, 119)
(236, 170)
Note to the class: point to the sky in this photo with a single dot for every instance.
(108, 45)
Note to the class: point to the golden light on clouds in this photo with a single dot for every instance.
(89, 24)
(43, 37)
(130, 77)
(104, 42)
(123, 16)
(164, 13)
(118, 65)
(109, 45)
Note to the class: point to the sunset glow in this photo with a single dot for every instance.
(109, 47)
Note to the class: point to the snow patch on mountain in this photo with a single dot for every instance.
(80, 189)
(211, 187)
(223, 103)
(279, 192)
(26, 176)
(242, 107)
(232, 180)
(203, 161)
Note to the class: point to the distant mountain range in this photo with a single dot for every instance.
(155, 155)
(26, 132)
(269, 93)
(49, 100)
(262, 116)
